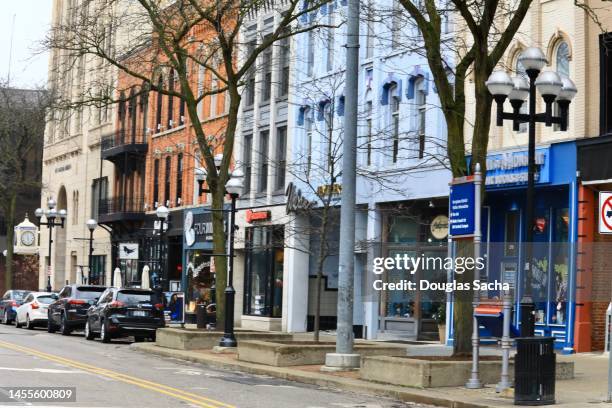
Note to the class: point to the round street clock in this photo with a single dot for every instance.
(28, 238)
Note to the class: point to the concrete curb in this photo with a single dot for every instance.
(312, 378)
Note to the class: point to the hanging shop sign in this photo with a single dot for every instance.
(605, 212)
(128, 250)
(462, 207)
(439, 227)
(252, 216)
(510, 168)
(197, 227)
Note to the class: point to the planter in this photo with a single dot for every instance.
(442, 333)
(429, 372)
(191, 339)
(295, 353)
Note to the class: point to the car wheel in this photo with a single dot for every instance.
(104, 334)
(89, 335)
(50, 326)
(17, 324)
(64, 328)
(5, 319)
(29, 325)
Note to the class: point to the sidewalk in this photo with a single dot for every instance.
(588, 389)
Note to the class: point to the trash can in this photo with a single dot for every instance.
(201, 318)
(534, 371)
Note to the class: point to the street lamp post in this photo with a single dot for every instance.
(91, 225)
(52, 215)
(162, 214)
(553, 88)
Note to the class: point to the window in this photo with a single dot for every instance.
(132, 112)
(266, 65)
(167, 181)
(158, 113)
(247, 158)
(330, 43)
(156, 183)
(520, 70)
(99, 190)
(605, 49)
(144, 108)
(284, 51)
(201, 73)
(368, 117)
(395, 123)
(213, 96)
(263, 285)
(421, 100)
(563, 69)
(98, 266)
(179, 178)
(182, 112)
(263, 160)
(121, 112)
(249, 97)
(328, 116)
(75, 207)
(308, 125)
(311, 50)
(281, 156)
(171, 99)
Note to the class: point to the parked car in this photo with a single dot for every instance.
(125, 312)
(69, 311)
(11, 300)
(33, 311)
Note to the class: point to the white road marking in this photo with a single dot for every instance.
(42, 370)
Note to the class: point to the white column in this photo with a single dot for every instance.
(295, 276)
(370, 297)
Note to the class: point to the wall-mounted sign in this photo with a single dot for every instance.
(128, 250)
(257, 215)
(439, 227)
(197, 227)
(333, 189)
(605, 212)
(295, 201)
(462, 208)
(510, 168)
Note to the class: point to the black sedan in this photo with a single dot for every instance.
(125, 312)
(11, 300)
(69, 312)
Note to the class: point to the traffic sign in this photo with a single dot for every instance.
(605, 212)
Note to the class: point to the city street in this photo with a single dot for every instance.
(113, 375)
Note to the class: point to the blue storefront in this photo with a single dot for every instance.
(555, 232)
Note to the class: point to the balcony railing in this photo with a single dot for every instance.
(121, 208)
(123, 141)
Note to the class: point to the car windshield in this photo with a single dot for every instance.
(134, 297)
(84, 292)
(19, 294)
(46, 299)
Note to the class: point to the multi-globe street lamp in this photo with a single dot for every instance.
(233, 188)
(52, 216)
(91, 226)
(553, 88)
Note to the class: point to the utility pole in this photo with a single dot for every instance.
(344, 358)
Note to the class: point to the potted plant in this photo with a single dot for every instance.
(440, 318)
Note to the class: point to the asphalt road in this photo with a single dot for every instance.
(113, 375)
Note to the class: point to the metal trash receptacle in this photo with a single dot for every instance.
(534, 371)
(201, 318)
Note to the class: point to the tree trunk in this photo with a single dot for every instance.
(10, 232)
(463, 311)
(321, 260)
(219, 249)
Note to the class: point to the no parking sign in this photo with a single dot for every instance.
(605, 212)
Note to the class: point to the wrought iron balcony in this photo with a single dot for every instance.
(124, 143)
(120, 208)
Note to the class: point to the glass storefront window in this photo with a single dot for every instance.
(200, 280)
(264, 271)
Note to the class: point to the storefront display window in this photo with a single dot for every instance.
(264, 271)
(200, 280)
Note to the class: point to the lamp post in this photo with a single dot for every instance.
(162, 214)
(553, 88)
(91, 225)
(52, 216)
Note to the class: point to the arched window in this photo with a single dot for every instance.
(328, 116)
(144, 108)
(132, 112)
(171, 99)
(122, 113)
(520, 70)
(562, 59)
(308, 129)
(421, 106)
(367, 113)
(158, 108)
(394, 107)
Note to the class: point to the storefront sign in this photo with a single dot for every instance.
(605, 212)
(257, 215)
(197, 227)
(462, 208)
(510, 168)
(439, 227)
(327, 189)
(295, 201)
(128, 250)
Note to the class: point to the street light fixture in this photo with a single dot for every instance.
(52, 218)
(553, 88)
(91, 225)
(233, 187)
(162, 213)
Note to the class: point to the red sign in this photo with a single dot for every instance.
(257, 215)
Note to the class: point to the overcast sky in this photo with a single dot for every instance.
(32, 20)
